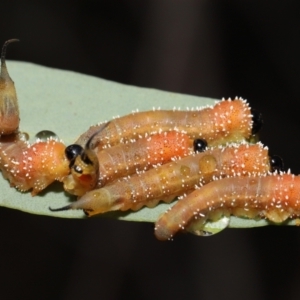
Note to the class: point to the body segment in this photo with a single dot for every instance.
(275, 197)
(126, 159)
(32, 167)
(174, 179)
(226, 121)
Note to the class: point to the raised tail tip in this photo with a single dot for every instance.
(162, 233)
(67, 207)
(3, 53)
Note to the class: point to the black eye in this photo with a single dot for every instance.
(276, 163)
(73, 151)
(257, 121)
(200, 145)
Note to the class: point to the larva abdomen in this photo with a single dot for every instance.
(275, 197)
(32, 166)
(175, 178)
(227, 121)
(127, 159)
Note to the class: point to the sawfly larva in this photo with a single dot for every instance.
(98, 167)
(32, 167)
(275, 197)
(226, 121)
(174, 179)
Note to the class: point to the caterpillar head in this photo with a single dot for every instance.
(84, 167)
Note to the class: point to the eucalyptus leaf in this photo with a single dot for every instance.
(67, 103)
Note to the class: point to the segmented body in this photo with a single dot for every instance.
(32, 167)
(226, 121)
(275, 197)
(175, 178)
(126, 159)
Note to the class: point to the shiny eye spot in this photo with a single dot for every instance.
(200, 145)
(73, 151)
(276, 163)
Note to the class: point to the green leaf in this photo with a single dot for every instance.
(67, 103)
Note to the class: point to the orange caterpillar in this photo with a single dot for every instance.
(32, 166)
(174, 179)
(91, 169)
(226, 121)
(274, 197)
(9, 109)
(25, 166)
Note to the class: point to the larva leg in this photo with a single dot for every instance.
(9, 109)
(275, 197)
(226, 121)
(126, 159)
(175, 178)
(32, 167)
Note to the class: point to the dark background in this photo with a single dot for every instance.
(206, 48)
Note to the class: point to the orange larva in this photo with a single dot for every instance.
(174, 179)
(32, 167)
(226, 121)
(274, 197)
(27, 167)
(99, 167)
(9, 109)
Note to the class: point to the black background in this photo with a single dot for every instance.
(206, 48)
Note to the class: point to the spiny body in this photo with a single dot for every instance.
(25, 166)
(174, 179)
(124, 159)
(32, 167)
(275, 197)
(226, 121)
